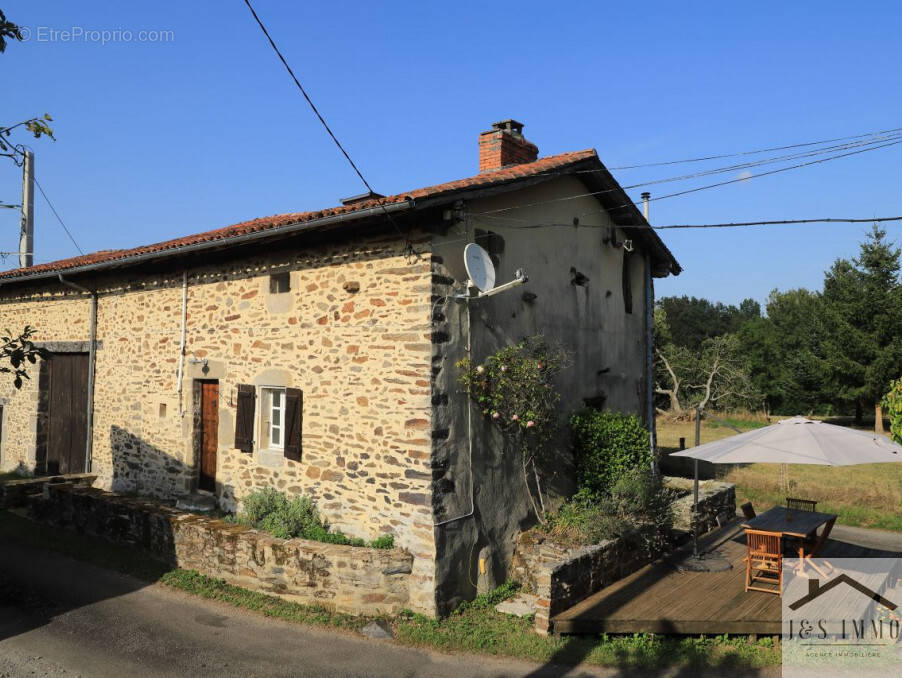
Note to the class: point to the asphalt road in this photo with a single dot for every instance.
(64, 618)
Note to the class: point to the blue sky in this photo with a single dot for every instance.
(161, 139)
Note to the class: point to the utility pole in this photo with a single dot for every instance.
(26, 233)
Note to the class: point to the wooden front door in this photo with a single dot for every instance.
(208, 433)
(67, 425)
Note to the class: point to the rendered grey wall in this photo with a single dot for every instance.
(606, 344)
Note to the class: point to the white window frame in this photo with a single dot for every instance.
(266, 418)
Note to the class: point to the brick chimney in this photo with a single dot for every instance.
(504, 145)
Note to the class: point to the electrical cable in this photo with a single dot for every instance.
(828, 220)
(408, 246)
(837, 220)
(694, 190)
(56, 214)
(762, 150)
(745, 165)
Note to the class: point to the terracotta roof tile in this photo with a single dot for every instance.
(483, 180)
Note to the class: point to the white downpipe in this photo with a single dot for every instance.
(182, 344)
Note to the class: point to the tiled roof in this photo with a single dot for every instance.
(483, 180)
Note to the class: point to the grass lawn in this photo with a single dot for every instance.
(476, 627)
(863, 496)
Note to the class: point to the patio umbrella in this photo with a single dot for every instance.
(799, 441)
(796, 441)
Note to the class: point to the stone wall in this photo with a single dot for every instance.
(352, 333)
(716, 504)
(15, 493)
(561, 585)
(350, 579)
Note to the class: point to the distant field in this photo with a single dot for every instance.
(865, 496)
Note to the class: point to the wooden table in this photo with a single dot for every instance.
(797, 523)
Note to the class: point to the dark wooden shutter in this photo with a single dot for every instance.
(294, 421)
(244, 418)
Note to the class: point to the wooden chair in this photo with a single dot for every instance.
(764, 562)
(747, 510)
(794, 504)
(811, 548)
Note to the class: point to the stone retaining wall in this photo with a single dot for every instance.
(350, 579)
(14, 493)
(562, 577)
(716, 504)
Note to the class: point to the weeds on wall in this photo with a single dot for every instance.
(271, 511)
(638, 509)
(514, 389)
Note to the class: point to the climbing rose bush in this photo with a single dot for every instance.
(514, 388)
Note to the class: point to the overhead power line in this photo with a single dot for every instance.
(824, 150)
(892, 142)
(56, 214)
(328, 129)
(760, 150)
(827, 220)
(525, 224)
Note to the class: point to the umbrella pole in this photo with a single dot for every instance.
(695, 513)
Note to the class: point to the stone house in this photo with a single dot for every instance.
(315, 352)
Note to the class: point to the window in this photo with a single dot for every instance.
(272, 418)
(279, 283)
(281, 420)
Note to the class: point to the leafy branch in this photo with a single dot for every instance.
(19, 352)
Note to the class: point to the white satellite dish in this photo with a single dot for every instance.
(479, 267)
(482, 274)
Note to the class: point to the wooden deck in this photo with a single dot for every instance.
(661, 599)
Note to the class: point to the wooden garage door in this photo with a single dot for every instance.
(67, 413)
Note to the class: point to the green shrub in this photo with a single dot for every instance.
(296, 518)
(606, 446)
(259, 504)
(271, 511)
(892, 401)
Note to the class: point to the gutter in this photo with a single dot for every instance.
(92, 360)
(288, 229)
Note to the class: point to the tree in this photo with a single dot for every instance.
(715, 376)
(784, 352)
(8, 30)
(694, 320)
(863, 306)
(37, 126)
(19, 351)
